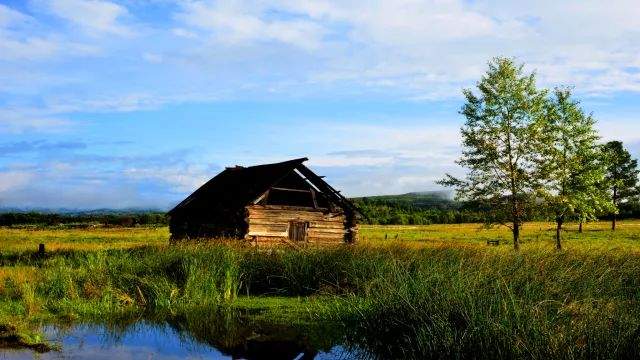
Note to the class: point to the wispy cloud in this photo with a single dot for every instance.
(252, 81)
(39, 146)
(19, 120)
(14, 179)
(96, 17)
(238, 23)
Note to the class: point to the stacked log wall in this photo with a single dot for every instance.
(269, 225)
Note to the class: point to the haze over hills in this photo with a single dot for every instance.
(418, 199)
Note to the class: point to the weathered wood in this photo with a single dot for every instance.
(265, 220)
(315, 201)
(286, 208)
(264, 196)
(327, 236)
(277, 231)
(268, 234)
(219, 208)
(288, 189)
(292, 215)
(271, 224)
(326, 231)
(257, 210)
(328, 224)
(309, 215)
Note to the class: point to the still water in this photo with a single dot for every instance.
(145, 340)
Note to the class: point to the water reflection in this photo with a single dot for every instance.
(196, 336)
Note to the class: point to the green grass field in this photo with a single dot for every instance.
(403, 291)
(596, 234)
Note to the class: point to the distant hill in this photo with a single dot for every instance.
(79, 212)
(442, 200)
(416, 208)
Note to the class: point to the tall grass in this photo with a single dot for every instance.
(540, 304)
(394, 301)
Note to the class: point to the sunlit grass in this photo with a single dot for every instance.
(596, 235)
(98, 238)
(433, 289)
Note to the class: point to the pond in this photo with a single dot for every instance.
(150, 340)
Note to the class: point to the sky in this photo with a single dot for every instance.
(135, 103)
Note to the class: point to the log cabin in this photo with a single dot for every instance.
(271, 204)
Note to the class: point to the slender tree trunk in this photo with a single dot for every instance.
(516, 234)
(559, 221)
(615, 200)
(514, 198)
(580, 226)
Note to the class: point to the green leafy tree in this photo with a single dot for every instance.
(571, 168)
(622, 176)
(500, 141)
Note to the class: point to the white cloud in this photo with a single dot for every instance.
(237, 23)
(185, 178)
(94, 16)
(30, 48)
(19, 41)
(152, 57)
(10, 17)
(19, 120)
(13, 179)
(433, 48)
(184, 33)
(623, 129)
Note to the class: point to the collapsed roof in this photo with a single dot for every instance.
(237, 187)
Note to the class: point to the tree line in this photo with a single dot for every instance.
(110, 219)
(529, 151)
(413, 210)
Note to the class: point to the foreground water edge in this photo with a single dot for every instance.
(144, 339)
(392, 301)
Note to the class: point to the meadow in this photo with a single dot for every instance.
(402, 291)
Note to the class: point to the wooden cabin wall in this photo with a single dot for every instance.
(269, 224)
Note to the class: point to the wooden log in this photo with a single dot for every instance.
(326, 225)
(327, 236)
(326, 231)
(272, 227)
(312, 222)
(310, 210)
(285, 208)
(288, 214)
(268, 233)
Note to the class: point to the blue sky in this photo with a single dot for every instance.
(135, 103)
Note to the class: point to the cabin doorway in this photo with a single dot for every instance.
(298, 230)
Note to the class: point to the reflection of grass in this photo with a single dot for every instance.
(438, 289)
(19, 336)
